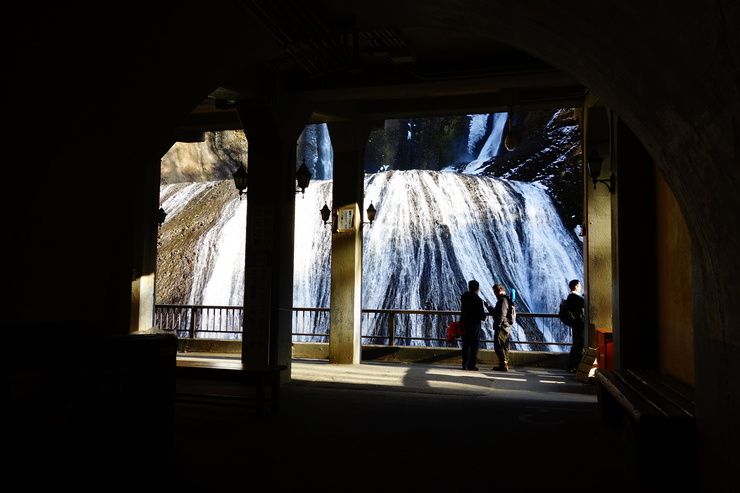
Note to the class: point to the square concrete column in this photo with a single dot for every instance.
(345, 345)
(144, 258)
(272, 131)
(348, 140)
(596, 124)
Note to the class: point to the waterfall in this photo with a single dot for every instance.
(433, 232)
(492, 144)
(478, 126)
(326, 153)
(203, 240)
(223, 250)
(316, 151)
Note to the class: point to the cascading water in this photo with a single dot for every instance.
(434, 231)
(491, 145)
(201, 251)
(223, 252)
(316, 151)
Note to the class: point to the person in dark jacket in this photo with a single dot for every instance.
(501, 327)
(473, 314)
(576, 304)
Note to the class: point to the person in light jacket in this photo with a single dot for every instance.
(501, 327)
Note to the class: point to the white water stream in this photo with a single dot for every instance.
(433, 232)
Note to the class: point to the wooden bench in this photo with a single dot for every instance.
(656, 414)
(258, 376)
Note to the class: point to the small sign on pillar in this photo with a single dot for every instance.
(346, 219)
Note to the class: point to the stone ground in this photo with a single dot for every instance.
(394, 427)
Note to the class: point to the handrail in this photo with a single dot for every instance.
(392, 326)
(200, 321)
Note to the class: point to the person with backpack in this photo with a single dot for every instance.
(572, 313)
(502, 322)
(472, 315)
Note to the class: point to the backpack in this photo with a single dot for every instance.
(511, 316)
(566, 316)
(454, 330)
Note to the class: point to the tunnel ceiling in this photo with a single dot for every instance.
(329, 53)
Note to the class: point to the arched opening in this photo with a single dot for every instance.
(675, 90)
(375, 102)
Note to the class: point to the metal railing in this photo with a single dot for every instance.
(388, 326)
(200, 322)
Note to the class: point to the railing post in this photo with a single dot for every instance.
(392, 329)
(192, 322)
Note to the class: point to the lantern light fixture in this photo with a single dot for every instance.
(303, 177)
(594, 163)
(371, 213)
(325, 213)
(161, 216)
(241, 180)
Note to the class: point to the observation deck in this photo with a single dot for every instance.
(406, 427)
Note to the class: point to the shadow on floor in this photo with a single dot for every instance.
(390, 427)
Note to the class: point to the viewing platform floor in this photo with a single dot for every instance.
(400, 427)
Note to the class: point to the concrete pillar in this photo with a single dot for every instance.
(272, 131)
(348, 140)
(597, 237)
(144, 255)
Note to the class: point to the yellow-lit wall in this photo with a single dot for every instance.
(674, 297)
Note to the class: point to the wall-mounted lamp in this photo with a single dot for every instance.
(370, 214)
(510, 141)
(594, 169)
(161, 216)
(325, 214)
(303, 177)
(240, 180)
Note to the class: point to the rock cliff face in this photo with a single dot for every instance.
(215, 159)
(198, 193)
(548, 152)
(178, 262)
(418, 143)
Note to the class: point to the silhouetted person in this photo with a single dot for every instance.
(501, 327)
(576, 304)
(472, 316)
